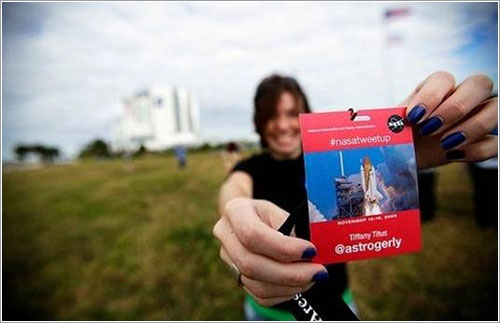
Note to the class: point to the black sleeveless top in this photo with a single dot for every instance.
(283, 183)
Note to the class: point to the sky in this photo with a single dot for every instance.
(66, 67)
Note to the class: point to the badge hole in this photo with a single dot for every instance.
(362, 118)
(355, 117)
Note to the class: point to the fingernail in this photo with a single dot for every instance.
(416, 113)
(320, 276)
(309, 253)
(454, 154)
(452, 140)
(431, 125)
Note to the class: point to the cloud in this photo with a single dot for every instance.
(397, 178)
(67, 66)
(314, 214)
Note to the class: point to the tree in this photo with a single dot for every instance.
(21, 152)
(49, 154)
(45, 153)
(141, 151)
(97, 149)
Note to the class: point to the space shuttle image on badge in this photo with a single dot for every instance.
(369, 183)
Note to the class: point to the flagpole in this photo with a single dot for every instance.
(386, 64)
(390, 15)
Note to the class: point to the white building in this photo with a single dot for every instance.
(158, 118)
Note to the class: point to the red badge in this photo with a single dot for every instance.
(361, 179)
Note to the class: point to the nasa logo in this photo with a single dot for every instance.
(395, 123)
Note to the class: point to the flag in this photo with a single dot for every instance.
(396, 13)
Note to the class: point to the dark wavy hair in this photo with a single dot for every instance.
(266, 100)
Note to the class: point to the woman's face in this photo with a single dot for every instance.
(282, 132)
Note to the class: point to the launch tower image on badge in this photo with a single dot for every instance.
(349, 195)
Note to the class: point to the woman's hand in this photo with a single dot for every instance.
(272, 265)
(453, 122)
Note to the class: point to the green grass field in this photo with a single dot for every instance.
(94, 242)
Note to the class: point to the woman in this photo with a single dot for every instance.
(258, 195)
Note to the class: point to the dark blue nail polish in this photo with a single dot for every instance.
(452, 140)
(431, 125)
(454, 154)
(320, 276)
(309, 253)
(416, 113)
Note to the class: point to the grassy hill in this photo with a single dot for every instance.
(97, 241)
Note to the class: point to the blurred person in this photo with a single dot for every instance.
(231, 155)
(485, 180)
(485, 183)
(426, 180)
(453, 124)
(181, 156)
